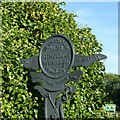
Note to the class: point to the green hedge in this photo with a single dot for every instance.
(25, 26)
(112, 88)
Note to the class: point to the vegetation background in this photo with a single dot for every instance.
(25, 26)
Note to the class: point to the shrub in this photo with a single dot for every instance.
(112, 87)
(25, 26)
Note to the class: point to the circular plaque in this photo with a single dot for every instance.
(56, 56)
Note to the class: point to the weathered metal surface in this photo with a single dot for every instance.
(56, 56)
(31, 63)
(87, 60)
(55, 59)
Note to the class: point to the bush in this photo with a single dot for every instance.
(25, 26)
(112, 85)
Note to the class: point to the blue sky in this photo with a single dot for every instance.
(102, 17)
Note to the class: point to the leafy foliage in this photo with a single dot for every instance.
(112, 85)
(25, 26)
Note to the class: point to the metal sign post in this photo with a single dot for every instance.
(55, 59)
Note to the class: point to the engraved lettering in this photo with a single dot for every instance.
(52, 89)
(73, 78)
(52, 48)
(83, 59)
(97, 57)
(54, 71)
(47, 63)
(58, 40)
(56, 63)
(66, 46)
(56, 56)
